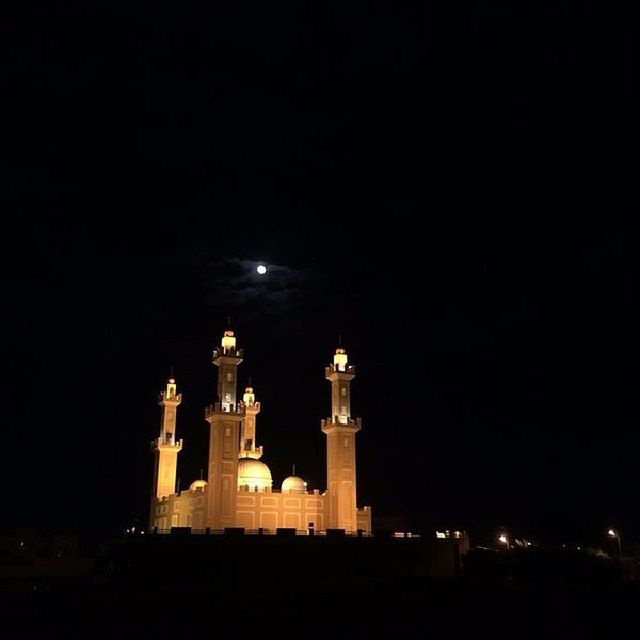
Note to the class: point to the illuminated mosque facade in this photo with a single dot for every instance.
(239, 491)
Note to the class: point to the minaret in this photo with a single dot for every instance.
(165, 446)
(249, 408)
(341, 431)
(224, 418)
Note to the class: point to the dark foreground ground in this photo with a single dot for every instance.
(151, 593)
(454, 609)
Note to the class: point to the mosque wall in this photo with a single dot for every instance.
(272, 510)
(363, 519)
(255, 510)
(184, 509)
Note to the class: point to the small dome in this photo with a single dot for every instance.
(254, 474)
(198, 484)
(294, 484)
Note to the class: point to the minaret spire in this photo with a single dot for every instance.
(341, 430)
(227, 358)
(250, 408)
(224, 417)
(166, 447)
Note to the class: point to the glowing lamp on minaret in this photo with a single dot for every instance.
(249, 397)
(340, 359)
(228, 341)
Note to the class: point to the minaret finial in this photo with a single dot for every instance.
(294, 470)
(250, 381)
(201, 472)
(229, 322)
(339, 339)
(171, 372)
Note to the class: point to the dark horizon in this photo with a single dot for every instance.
(444, 189)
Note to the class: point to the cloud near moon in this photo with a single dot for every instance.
(235, 286)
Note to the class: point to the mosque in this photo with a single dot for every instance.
(239, 491)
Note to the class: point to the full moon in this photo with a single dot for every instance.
(261, 269)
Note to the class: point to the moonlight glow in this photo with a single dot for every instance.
(261, 269)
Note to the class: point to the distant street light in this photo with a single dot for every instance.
(612, 533)
(504, 540)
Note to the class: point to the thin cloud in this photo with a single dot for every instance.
(233, 284)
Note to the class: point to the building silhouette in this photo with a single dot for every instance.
(239, 491)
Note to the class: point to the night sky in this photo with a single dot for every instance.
(446, 188)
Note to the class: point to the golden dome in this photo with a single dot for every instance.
(254, 474)
(294, 484)
(198, 484)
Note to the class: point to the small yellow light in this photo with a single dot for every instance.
(340, 359)
(228, 340)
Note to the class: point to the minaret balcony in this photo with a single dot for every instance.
(247, 450)
(218, 408)
(351, 424)
(248, 408)
(231, 353)
(161, 444)
(349, 372)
